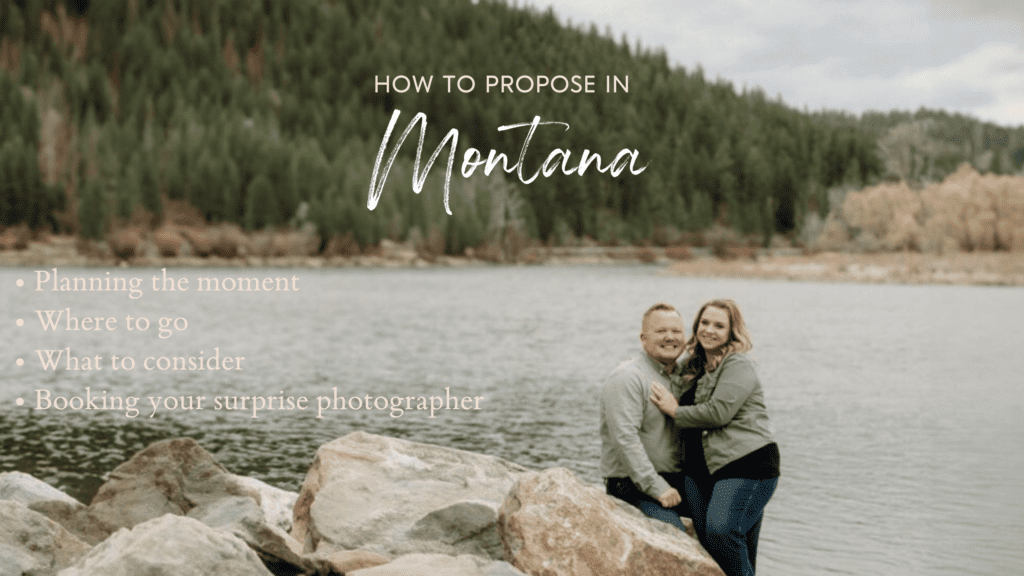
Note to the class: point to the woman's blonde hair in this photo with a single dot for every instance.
(739, 340)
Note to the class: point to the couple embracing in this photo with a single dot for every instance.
(685, 431)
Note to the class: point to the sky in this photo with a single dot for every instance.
(854, 55)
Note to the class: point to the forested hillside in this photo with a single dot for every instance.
(266, 113)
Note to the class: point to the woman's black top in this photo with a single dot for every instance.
(761, 464)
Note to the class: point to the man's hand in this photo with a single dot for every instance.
(670, 498)
(663, 399)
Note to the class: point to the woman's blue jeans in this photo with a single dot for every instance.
(728, 518)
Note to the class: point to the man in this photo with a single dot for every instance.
(641, 455)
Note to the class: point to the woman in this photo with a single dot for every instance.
(732, 461)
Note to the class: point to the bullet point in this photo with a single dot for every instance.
(19, 401)
(19, 283)
(20, 362)
(20, 322)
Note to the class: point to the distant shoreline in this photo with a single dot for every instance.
(959, 268)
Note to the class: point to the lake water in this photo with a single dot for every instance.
(897, 408)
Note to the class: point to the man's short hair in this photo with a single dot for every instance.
(658, 307)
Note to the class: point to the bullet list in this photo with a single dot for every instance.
(19, 401)
(20, 322)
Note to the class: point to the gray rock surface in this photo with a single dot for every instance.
(179, 477)
(170, 545)
(74, 518)
(469, 527)
(243, 517)
(167, 477)
(277, 505)
(28, 490)
(387, 495)
(32, 544)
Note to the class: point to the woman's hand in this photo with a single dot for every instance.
(663, 399)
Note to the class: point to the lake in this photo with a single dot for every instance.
(897, 408)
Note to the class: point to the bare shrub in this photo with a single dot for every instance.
(679, 253)
(431, 246)
(16, 237)
(124, 243)
(342, 245)
(645, 255)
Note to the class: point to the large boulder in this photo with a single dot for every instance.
(179, 477)
(398, 497)
(439, 565)
(54, 504)
(167, 477)
(243, 517)
(174, 476)
(554, 524)
(75, 518)
(28, 490)
(32, 544)
(170, 546)
(275, 503)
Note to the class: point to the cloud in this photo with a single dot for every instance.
(995, 70)
(851, 54)
(998, 9)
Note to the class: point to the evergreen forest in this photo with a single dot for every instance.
(270, 113)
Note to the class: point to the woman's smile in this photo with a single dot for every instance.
(713, 330)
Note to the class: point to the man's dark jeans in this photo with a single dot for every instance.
(625, 489)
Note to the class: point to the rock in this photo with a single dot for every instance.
(344, 561)
(74, 518)
(386, 495)
(242, 516)
(179, 477)
(170, 546)
(277, 505)
(468, 526)
(28, 490)
(170, 476)
(554, 524)
(32, 544)
(439, 565)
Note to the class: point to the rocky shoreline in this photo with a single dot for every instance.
(980, 268)
(369, 506)
(958, 268)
